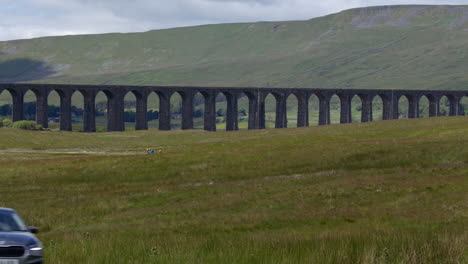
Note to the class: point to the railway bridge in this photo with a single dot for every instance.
(256, 98)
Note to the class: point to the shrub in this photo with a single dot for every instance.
(198, 113)
(242, 112)
(220, 112)
(26, 125)
(7, 123)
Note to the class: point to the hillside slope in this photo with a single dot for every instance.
(417, 47)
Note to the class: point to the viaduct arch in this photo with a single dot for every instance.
(256, 98)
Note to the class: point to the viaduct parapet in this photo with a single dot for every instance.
(256, 97)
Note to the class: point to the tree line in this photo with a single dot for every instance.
(101, 109)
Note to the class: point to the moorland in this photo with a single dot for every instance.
(381, 192)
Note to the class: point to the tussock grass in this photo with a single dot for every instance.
(381, 192)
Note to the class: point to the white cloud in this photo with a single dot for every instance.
(33, 18)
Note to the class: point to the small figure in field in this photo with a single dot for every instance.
(160, 151)
(149, 151)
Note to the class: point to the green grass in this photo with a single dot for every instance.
(381, 192)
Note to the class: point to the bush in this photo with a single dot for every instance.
(26, 125)
(152, 115)
(198, 113)
(242, 112)
(220, 112)
(130, 116)
(7, 123)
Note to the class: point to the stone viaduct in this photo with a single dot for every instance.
(256, 97)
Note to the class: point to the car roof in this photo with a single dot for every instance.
(6, 209)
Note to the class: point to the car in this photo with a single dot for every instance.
(18, 244)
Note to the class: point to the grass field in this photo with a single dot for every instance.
(380, 192)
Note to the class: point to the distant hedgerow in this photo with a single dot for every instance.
(7, 123)
(27, 125)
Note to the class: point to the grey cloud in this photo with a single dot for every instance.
(261, 2)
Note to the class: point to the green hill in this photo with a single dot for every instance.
(401, 47)
(381, 192)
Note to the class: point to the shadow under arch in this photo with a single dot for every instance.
(54, 109)
(243, 112)
(181, 110)
(198, 110)
(6, 105)
(314, 105)
(424, 106)
(222, 111)
(291, 110)
(335, 109)
(403, 106)
(444, 105)
(102, 114)
(270, 113)
(133, 100)
(31, 104)
(152, 109)
(377, 105)
(355, 114)
(77, 110)
(464, 105)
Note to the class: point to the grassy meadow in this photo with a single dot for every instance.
(380, 192)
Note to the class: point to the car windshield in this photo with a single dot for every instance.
(11, 222)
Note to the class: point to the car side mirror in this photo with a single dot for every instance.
(33, 229)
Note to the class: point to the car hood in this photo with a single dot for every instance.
(17, 238)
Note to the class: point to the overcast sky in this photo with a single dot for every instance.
(34, 18)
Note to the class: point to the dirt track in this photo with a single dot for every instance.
(70, 151)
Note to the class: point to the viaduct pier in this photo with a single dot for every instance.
(256, 97)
